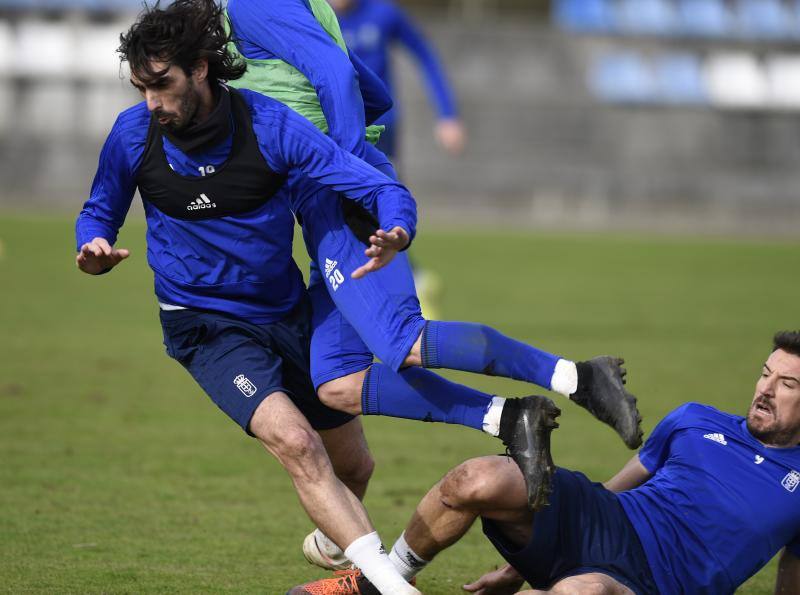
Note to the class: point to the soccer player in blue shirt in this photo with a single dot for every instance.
(296, 54)
(705, 504)
(215, 168)
(370, 28)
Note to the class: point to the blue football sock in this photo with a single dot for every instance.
(414, 393)
(481, 349)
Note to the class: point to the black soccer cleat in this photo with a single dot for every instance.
(602, 393)
(527, 439)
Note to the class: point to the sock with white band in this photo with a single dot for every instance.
(491, 421)
(368, 555)
(405, 560)
(565, 378)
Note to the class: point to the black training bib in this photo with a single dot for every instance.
(241, 184)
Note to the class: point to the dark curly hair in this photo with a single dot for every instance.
(788, 341)
(181, 34)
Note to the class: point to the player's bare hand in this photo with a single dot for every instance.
(98, 255)
(451, 136)
(503, 581)
(384, 245)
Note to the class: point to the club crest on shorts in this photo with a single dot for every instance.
(243, 383)
(791, 481)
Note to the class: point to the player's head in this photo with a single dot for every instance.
(774, 415)
(176, 54)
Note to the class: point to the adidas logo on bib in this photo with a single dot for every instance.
(201, 203)
(716, 438)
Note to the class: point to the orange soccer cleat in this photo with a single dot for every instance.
(343, 582)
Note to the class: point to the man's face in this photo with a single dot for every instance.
(171, 96)
(774, 415)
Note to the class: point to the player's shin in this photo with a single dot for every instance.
(483, 350)
(414, 393)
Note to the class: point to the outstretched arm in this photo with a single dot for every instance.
(449, 130)
(632, 475)
(104, 212)
(788, 574)
(289, 142)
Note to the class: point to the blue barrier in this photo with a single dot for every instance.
(679, 79)
(647, 17)
(585, 16)
(623, 77)
(764, 19)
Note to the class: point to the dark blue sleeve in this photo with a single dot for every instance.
(377, 100)
(655, 451)
(111, 194)
(289, 141)
(438, 88)
(288, 30)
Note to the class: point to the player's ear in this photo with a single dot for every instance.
(200, 70)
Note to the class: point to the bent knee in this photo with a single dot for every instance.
(343, 394)
(299, 444)
(472, 484)
(414, 356)
(590, 584)
(356, 470)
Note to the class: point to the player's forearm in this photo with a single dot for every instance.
(89, 226)
(632, 475)
(393, 203)
(317, 156)
(440, 92)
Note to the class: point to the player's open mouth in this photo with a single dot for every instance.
(762, 408)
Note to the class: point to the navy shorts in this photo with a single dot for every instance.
(585, 529)
(239, 364)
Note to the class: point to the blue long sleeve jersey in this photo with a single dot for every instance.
(719, 505)
(239, 264)
(370, 27)
(349, 93)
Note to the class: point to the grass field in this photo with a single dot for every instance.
(118, 475)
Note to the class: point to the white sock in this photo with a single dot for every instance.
(368, 555)
(565, 378)
(405, 560)
(326, 546)
(491, 421)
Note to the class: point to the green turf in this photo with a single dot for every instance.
(118, 475)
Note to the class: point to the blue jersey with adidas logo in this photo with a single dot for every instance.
(719, 505)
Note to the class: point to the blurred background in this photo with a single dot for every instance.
(612, 176)
(669, 114)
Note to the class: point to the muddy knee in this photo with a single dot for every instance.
(473, 483)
